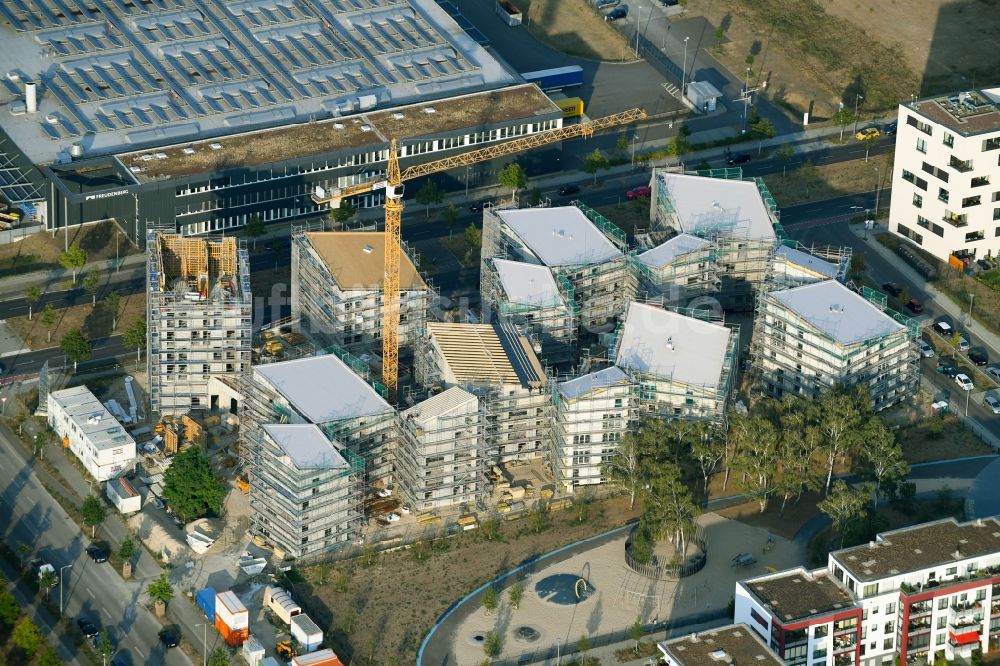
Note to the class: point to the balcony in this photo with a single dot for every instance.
(919, 626)
(918, 608)
(844, 660)
(955, 220)
(995, 608)
(841, 643)
(962, 166)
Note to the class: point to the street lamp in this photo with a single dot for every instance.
(746, 100)
(204, 642)
(857, 98)
(61, 570)
(878, 189)
(684, 70)
(638, 22)
(558, 640)
(634, 135)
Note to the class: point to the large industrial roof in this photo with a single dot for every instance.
(837, 311)
(323, 388)
(664, 254)
(710, 206)
(115, 74)
(672, 346)
(561, 236)
(485, 354)
(306, 446)
(356, 259)
(528, 284)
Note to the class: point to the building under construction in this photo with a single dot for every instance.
(739, 217)
(307, 492)
(685, 366)
(497, 364)
(794, 264)
(439, 459)
(576, 243)
(198, 313)
(677, 271)
(337, 284)
(811, 338)
(541, 305)
(592, 414)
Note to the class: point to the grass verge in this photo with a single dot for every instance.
(574, 28)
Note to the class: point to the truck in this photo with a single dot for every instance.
(572, 107)
(556, 78)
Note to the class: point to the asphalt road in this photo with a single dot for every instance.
(94, 591)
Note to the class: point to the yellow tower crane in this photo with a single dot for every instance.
(393, 185)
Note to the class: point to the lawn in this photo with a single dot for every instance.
(94, 322)
(574, 28)
(827, 181)
(939, 438)
(41, 251)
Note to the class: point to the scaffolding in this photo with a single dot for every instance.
(793, 356)
(690, 275)
(199, 314)
(800, 264)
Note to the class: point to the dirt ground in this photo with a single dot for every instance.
(798, 186)
(400, 596)
(628, 215)
(787, 524)
(937, 438)
(572, 27)
(41, 251)
(94, 322)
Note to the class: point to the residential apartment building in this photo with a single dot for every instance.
(685, 366)
(794, 265)
(739, 217)
(336, 291)
(732, 644)
(576, 243)
(677, 271)
(946, 175)
(495, 363)
(88, 429)
(198, 314)
(810, 338)
(912, 595)
(440, 457)
(592, 414)
(541, 305)
(308, 492)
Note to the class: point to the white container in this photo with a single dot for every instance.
(305, 631)
(281, 603)
(253, 651)
(232, 611)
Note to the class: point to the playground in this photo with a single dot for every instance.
(594, 593)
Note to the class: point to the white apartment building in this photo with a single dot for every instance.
(946, 178)
(337, 283)
(913, 595)
(90, 431)
(811, 338)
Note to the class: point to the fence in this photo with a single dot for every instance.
(656, 571)
(17, 233)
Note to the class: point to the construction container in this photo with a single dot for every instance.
(231, 618)
(206, 602)
(307, 633)
(253, 651)
(468, 522)
(281, 604)
(319, 658)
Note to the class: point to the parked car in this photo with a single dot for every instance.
(384, 492)
(889, 129)
(605, 4)
(87, 628)
(925, 349)
(915, 306)
(617, 13)
(170, 637)
(867, 133)
(994, 372)
(892, 288)
(479, 206)
(405, 509)
(947, 369)
(566, 190)
(943, 327)
(979, 357)
(963, 344)
(391, 517)
(964, 381)
(641, 192)
(991, 402)
(98, 553)
(670, 3)
(985, 265)
(739, 158)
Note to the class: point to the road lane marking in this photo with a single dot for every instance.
(107, 613)
(140, 653)
(90, 593)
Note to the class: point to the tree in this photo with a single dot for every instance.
(450, 217)
(839, 426)
(32, 295)
(708, 450)
(27, 636)
(50, 657)
(92, 284)
(48, 317)
(808, 175)
(784, 153)
(126, 550)
(76, 346)
(94, 512)
(428, 194)
(844, 504)
(9, 608)
(954, 341)
(884, 455)
(679, 145)
(670, 508)
(594, 162)
(635, 632)
(869, 141)
(622, 470)
(760, 130)
(135, 336)
(844, 117)
(513, 176)
(73, 259)
(219, 658)
(515, 594)
(47, 581)
(757, 459)
(191, 487)
(858, 266)
(113, 302)
(104, 646)
(583, 644)
(473, 236)
(621, 144)
(255, 228)
(492, 644)
(160, 589)
(342, 214)
(490, 599)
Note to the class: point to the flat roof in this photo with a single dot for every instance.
(528, 284)
(672, 346)
(116, 76)
(797, 594)
(967, 113)
(836, 311)
(92, 418)
(593, 382)
(440, 405)
(323, 388)
(486, 354)
(306, 446)
(707, 206)
(356, 259)
(807, 261)
(666, 253)
(733, 644)
(921, 547)
(561, 236)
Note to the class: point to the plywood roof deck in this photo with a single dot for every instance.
(475, 355)
(186, 258)
(356, 259)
